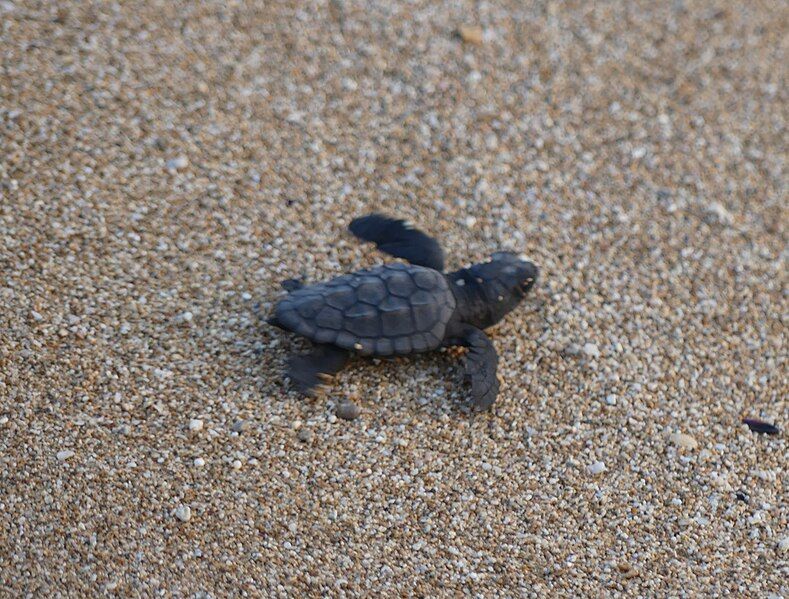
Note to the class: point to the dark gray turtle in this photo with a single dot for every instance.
(399, 309)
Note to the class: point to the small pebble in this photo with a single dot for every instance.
(759, 426)
(783, 545)
(178, 162)
(718, 211)
(624, 567)
(305, 435)
(720, 481)
(596, 468)
(591, 350)
(195, 425)
(184, 317)
(199, 462)
(347, 410)
(183, 513)
(684, 441)
(610, 399)
(471, 34)
(239, 426)
(65, 454)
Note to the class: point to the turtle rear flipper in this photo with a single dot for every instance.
(396, 238)
(308, 371)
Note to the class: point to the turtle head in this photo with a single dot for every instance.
(494, 288)
(513, 271)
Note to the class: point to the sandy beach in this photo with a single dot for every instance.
(165, 165)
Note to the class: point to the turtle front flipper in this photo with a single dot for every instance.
(481, 364)
(308, 371)
(398, 239)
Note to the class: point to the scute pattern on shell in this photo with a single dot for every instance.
(391, 309)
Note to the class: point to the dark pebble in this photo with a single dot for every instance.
(758, 426)
(347, 410)
(240, 426)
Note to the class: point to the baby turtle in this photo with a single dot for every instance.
(399, 309)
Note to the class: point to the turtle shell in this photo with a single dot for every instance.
(386, 310)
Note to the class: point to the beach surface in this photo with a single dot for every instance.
(165, 165)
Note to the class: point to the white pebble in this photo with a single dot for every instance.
(349, 84)
(684, 441)
(195, 425)
(184, 317)
(178, 162)
(236, 464)
(470, 221)
(596, 468)
(65, 454)
(720, 481)
(720, 212)
(199, 462)
(183, 513)
(610, 399)
(756, 518)
(783, 545)
(590, 349)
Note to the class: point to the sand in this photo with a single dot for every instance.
(164, 165)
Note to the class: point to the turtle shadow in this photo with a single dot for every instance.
(428, 383)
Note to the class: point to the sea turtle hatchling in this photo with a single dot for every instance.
(399, 309)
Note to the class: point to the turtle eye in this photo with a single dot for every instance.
(526, 285)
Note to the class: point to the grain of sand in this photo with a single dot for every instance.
(165, 164)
